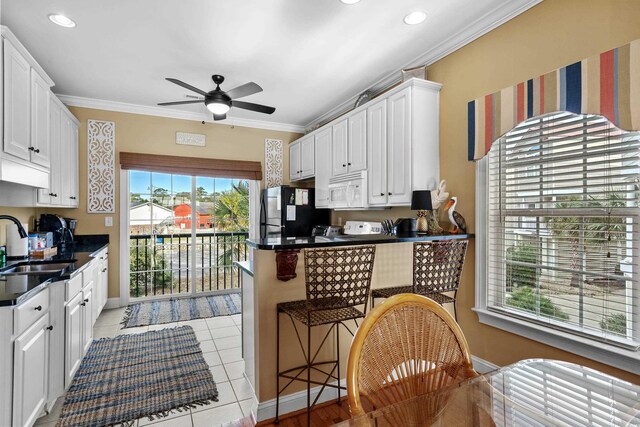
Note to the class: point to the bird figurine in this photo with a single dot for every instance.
(457, 220)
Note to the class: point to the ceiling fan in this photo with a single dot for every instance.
(219, 102)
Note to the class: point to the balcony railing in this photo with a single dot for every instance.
(162, 264)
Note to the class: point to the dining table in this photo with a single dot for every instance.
(532, 392)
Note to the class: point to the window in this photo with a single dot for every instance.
(558, 229)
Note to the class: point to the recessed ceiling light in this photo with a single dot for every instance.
(415, 17)
(349, 1)
(62, 20)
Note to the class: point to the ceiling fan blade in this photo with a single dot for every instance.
(219, 116)
(244, 90)
(253, 107)
(187, 86)
(181, 102)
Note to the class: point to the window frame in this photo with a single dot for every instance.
(615, 356)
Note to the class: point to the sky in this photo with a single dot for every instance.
(143, 183)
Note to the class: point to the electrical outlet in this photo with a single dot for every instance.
(108, 221)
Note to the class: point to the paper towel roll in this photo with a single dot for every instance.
(16, 246)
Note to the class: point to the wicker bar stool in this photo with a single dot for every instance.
(437, 267)
(337, 281)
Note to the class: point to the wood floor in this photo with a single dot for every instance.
(326, 414)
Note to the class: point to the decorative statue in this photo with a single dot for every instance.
(458, 222)
(438, 197)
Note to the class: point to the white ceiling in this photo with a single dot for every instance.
(309, 56)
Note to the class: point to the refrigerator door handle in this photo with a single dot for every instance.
(263, 213)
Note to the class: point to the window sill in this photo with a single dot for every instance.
(614, 356)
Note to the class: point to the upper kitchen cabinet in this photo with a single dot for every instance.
(403, 143)
(24, 158)
(349, 144)
(323, 166)
(302, 158)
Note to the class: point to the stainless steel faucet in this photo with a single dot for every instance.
(21, 230)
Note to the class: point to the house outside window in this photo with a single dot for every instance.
(558, 228)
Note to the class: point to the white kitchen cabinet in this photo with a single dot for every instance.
(323, 166)
(17, 109)
(40, 92)
(302, 158)
(357, 142)
(74, 167)
(87, 316)
(339, 137)
(399, 148)
(103, 279)
(403, 143)
(377, 152)
(30, 372)
(294, 161)
(52, 195)
(74, 344)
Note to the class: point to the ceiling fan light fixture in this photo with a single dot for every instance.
(62, 20)
(218, 107)
(349, 1)
(415, 18)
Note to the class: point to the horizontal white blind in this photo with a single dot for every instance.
(563, 226)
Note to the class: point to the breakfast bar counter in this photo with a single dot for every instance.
(262, 291)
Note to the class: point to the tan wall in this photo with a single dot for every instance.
(551, 35)
(148, 134)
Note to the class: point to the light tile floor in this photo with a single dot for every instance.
(220, 340)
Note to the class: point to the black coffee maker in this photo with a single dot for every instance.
(62, 236)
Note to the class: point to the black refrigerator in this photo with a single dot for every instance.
(285, 212)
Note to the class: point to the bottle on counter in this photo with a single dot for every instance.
(3, 256)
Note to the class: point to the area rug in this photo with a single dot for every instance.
(180, 309)
(140, 375)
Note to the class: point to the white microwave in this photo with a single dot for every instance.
(348, 191)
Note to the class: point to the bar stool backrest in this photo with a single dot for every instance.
(339, 277)
(437, 266)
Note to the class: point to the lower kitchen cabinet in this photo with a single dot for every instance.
(73, 340)
(87, 317)
(30, 370)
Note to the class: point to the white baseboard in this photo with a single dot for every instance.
(112, 303)
(296, 401)
(483, 366)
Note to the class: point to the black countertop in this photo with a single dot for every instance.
(283, 243)
(15, 289)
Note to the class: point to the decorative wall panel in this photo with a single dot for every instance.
(273, 162)
(101, 185)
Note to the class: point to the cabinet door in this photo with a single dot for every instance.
(40, 93)
(104, 281)
(339, 148)
(87, 316)
(307, 157)
(399, 148)
(74, 187)
(65, 159)
(73, 338)
(357, 142)
(323, 167)
(17, 82)
(294, 161)
(46, 196)
(377, 153)
(30, 373)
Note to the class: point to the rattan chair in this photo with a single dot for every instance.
(338, 281)
(407, 346)
(437, 267)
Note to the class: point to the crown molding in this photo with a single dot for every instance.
(123, 107)
(501, 14)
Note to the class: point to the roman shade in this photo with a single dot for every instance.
(194, 166)
(607, 84)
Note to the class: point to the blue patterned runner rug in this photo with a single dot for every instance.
(180, 309)
(132, 376)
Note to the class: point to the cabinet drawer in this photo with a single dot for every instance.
(30, 311)
(74, 286)
(89, 273)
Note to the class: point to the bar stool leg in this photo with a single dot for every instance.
(309, 372)
(338, 351)
(277, 366)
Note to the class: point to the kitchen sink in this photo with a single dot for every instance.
(39, 268)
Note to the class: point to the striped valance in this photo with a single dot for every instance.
(607, 84)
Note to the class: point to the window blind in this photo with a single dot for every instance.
(563, 226)
(194, 166)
